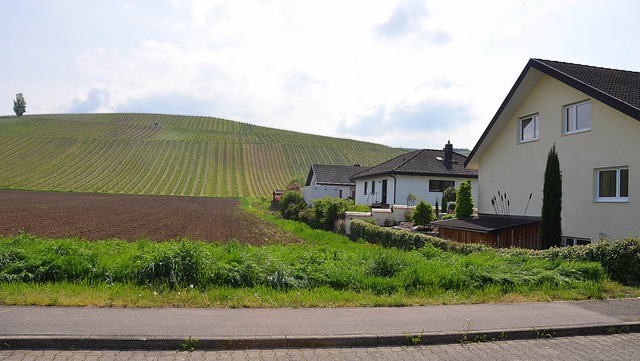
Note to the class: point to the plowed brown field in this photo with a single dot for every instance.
(132, 217)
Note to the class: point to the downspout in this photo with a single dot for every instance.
(394, 187)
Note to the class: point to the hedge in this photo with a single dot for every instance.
(406, 240)
(620, 259)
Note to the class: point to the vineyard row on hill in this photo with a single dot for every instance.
(167, 155)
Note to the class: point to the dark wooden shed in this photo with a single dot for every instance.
(494, 231)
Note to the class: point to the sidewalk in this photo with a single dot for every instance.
(167, 328)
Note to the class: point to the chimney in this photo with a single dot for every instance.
(448, 153)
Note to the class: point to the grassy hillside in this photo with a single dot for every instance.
(164, 154)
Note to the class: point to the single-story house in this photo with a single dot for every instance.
(330, 180)
(424, 173)
(592, 115)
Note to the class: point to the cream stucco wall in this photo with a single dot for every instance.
(518, 168)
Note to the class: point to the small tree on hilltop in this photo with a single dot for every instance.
(551, 222)
(423, 214)
(19, 105)
(464, 200)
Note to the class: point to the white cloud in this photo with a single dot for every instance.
(416, 73)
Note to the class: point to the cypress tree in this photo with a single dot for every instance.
(464, 200)
(551, 223)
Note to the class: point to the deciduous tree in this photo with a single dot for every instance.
(19, 105)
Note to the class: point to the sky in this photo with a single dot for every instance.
(411, 74)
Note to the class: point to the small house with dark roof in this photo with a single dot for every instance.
(592, 115)
(330, 180)
(425, 173)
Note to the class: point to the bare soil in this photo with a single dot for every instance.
(132, 217)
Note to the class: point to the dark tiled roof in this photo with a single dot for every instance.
(332, 174)
(622, 85)
(421, 162)
(485, 223)
(619, 89)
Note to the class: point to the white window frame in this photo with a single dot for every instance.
(536, 128)
(574, 118)
(568, 241)
(617, 197)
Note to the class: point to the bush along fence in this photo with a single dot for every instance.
(620, 259)
(406, 240)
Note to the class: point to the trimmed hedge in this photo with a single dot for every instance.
(620, 259)
(406, 240)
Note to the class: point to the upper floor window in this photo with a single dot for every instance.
(612, 185)
(528, 128)
(576, 117)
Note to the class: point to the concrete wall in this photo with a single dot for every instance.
(395, 214)
(518, 168)
(311, 193)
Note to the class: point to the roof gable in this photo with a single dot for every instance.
(619, 89)
(421, 162)
(332, 174)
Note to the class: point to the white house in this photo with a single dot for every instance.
(330, 180)
(592, 115)
(425, 173)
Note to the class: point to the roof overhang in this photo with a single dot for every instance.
(531, 74)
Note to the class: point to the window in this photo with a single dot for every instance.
(612, 185)
(574, 241)
(373, 187)
(528, 129)
(365, 188)
(576, 118)
(440, 185)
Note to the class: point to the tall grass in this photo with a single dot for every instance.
(327, 270)
(341, 266)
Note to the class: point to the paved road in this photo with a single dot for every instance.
(165, 329)
(611, 347)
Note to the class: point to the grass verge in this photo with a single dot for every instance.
(327, 271)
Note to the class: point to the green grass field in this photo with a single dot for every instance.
(164, 154)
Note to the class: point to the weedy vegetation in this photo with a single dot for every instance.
(328, 270)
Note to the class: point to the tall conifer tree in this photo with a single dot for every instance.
(551, 223)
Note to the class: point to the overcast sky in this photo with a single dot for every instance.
(410, 74)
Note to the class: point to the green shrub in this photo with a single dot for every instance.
(328, 209)
(291, 204)
(620, 259)
(394, 238)
(464, 200)
(449, 195)
(423, 214)
(359, 208)
(448, 216)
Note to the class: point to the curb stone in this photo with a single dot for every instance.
(408, 339)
